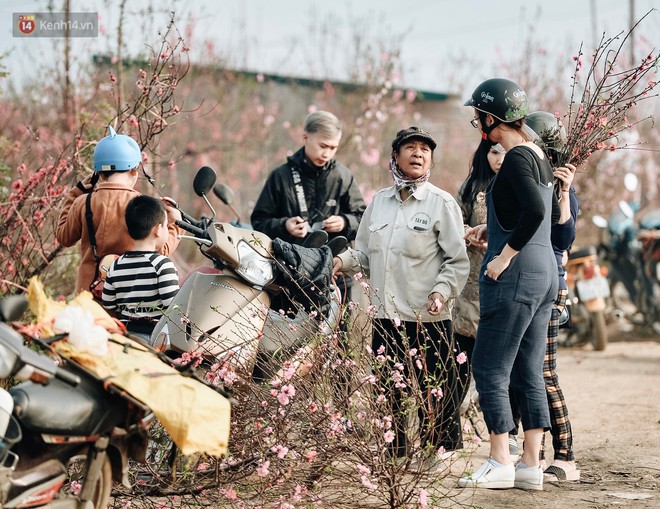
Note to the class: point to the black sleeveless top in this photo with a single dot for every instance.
(518, 204)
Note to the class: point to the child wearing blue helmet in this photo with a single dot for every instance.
(116, 161)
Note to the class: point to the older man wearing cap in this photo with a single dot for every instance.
(410, 245)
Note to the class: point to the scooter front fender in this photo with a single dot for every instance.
(217, 314)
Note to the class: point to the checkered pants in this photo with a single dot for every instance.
(562, 436)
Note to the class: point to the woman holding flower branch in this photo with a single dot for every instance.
(517, 287)
(552, 138)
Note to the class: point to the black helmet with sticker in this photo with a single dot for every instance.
(502, 98)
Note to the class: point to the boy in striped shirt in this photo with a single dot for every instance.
(141, 283)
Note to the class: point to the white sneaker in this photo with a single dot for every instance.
(529, 478)
(490, 476)
(435, 463)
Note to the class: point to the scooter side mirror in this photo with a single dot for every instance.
(226, 196)
(599, 221)
(13, 307)
(626, 209)
(338, 245)
(224, 193)
(204, 181)
(315, 238)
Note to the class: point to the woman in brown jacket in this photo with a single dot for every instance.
(116, 161)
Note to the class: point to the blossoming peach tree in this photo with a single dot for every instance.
(321, 426)
(49, 160)
(606, 109)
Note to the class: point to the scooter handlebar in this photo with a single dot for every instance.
(190, 220)
(67, 377)
(195, 230)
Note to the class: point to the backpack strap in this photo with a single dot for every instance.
(90, 225)
(300, 193)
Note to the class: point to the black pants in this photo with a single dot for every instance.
(425, 352)
(145, 326)
(464, 344)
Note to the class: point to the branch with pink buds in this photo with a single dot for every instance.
(608, 97)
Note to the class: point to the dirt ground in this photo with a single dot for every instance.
(613, 398)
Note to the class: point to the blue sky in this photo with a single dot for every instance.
(285, 35)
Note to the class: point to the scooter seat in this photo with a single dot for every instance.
(650, 220)
(58, 408)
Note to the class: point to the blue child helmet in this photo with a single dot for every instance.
(116, 152)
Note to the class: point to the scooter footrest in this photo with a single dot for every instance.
(38, 481)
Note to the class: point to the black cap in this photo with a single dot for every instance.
(410, 133)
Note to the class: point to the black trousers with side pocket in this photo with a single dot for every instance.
(424, 352)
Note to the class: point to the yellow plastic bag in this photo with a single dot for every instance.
(195, 416)
(46, 309)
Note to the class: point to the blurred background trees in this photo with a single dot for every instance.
(177, 96)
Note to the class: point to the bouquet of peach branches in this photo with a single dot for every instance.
(608, 94)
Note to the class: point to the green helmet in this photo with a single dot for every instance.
(502, 98)
(548, 127)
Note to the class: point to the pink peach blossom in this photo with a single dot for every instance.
(262, 471)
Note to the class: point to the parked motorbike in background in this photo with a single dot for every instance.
(632, 251)
(649, 238)
(222, 313)
(588, 290)
(58, 417)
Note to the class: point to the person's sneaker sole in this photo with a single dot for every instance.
(524, 485)
(491, 485)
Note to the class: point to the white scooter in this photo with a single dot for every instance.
(222, 313)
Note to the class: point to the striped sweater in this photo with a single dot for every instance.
(140, 284)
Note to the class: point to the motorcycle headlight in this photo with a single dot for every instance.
(255, 268)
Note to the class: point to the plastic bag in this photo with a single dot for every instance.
(83, 332)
